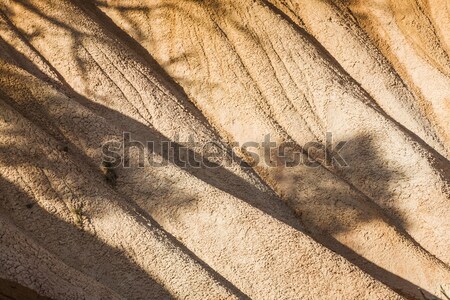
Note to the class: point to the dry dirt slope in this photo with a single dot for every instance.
(76, 74)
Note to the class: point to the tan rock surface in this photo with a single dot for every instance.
(77, 74)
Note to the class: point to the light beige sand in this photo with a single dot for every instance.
(75, 74)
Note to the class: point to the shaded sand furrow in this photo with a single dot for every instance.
(249, 70)
(194, 207)
(24, 261)
(300, 185)
(65, 195)
(405, 35)
(340, 35)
